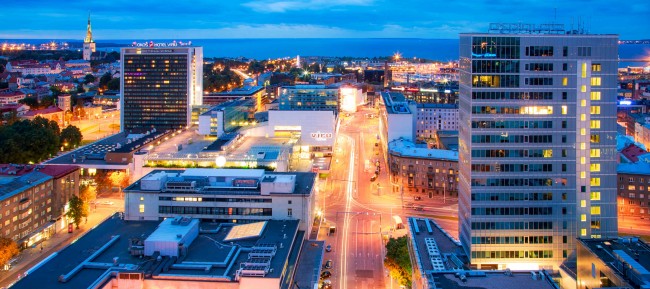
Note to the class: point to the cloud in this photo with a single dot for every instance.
(285, 6)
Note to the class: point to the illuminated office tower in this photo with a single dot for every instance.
(537, 156)
(159, 86)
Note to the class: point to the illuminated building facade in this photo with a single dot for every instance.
(159, 86)
(537, 144)
(89, 43)
(310, 97)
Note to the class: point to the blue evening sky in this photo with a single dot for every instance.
(194, 19)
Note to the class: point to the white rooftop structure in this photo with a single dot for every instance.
(240, 173)
(170, 234)
(245, 231)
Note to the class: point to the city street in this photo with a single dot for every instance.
(99, 126)
(105, 207)
(362, 210)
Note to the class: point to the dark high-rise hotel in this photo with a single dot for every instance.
(159, 86)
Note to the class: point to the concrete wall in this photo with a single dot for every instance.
(317, 127)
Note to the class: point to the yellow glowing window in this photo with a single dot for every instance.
(583, 131)
(548, 153)
(595, 196)
(583, 160)
(594, 110)
(564, 109)
(595, 153)
(584, 70)
(583, 218)
(583, 102)
(595, 210)
(583, 146)
(565, 81)
(596, 81)
(583, 232)
(583, 175)
(595, 167)
(595, 124)
(595, 95)
(583, 117)
(596, 67)
(583, 88)
(166, 81)
(544, 110)
(141, 207)
(595, 182)
(583, 203)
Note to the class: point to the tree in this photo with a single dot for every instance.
(89, 78)
(56, 91)
(8, 249)
(103, 81)
(32, 102)
(88, 194)
(78, 210)
(114, 84)
(28, 141)
(71, 136)
(398, 261)
(118, 179)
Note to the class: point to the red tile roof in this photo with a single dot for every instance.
(48, 110)
(11, 94)
(55, 171)
(632, 153)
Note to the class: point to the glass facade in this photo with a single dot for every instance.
(528, 161)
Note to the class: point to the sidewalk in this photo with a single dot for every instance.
(32, 256)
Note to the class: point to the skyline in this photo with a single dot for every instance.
(149, 19)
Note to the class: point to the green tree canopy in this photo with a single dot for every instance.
(89, 78)
(105, 79)
(78, 210)
(28, 141)
(32, 102)
(398, 261)
(72, 136)
(114, 84)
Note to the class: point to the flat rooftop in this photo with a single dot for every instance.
(408, 149)
(208, 247)
(395, 102)
(242, 91)
(492, 281)
(92, 154)
(637, 251)
(309, 264)
(431, 244)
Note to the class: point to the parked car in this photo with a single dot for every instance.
(419, 208)
(328, 248)
(328, 264)
(325, 274)
(417, 198)
(373, 178)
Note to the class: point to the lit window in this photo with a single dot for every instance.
(583, 232)
(595, 167)
(631, 187)
(583, 88)
(583, 102)
(594, 110)
(583, 131)
(584, 70)
(548, 153)
(595, 67)
(595, 153)
(141, 198)
(141, 207)
(596, 81)
(595, 182)
(595, 95)
(583, 117)
(565, 81)
(595, 124)
(583, 175)
(583, 217)
(583, 203)
(583, 146)
(595, 210)
(583, 160)
(595, 196)
(564, 109)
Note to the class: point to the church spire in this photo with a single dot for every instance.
(89, 32)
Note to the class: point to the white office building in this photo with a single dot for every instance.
(222, 195)
(537, 155)
(432, 117)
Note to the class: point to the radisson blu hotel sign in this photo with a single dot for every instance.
(152, 44)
